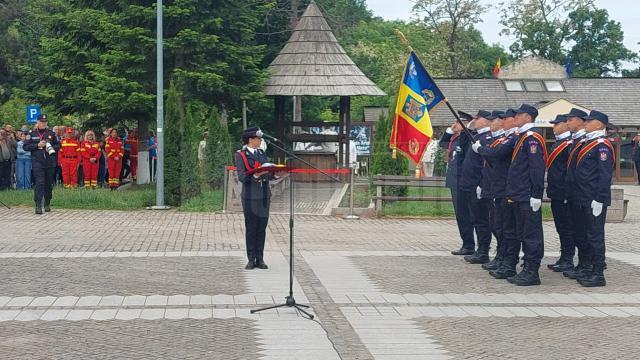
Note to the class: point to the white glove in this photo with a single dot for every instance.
(596, 208)
(476, 145)
(535, 204)
(479, 192)
(449, 131)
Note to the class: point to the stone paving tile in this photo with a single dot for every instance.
(441, 275)
(139, 339)
(125, 276)
(536, 338)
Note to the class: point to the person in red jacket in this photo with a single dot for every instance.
(90, 151)
(69, 159)
(132, 142)
(115, 152)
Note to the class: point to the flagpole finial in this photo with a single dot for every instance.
(394, 154)
(418, 172)
(403, 39)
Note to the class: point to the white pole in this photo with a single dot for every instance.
(159, 108)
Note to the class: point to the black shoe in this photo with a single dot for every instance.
(38, 210)
(503, 272)
(47, 205)
(262, 265)
(463, 251)
(493, 265)
(562, 265)
(250, 266)
(527, 277)
(579, 271)
(595, 278)
(477, 258)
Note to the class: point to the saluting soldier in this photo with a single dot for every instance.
(256, 195)
(593, 174)
(557, 192)
(525, 187)
(471, 191)
(576, 123)
(453, 141)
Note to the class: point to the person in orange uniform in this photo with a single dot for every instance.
(69, 159)
(90, 151)
(115, 152)
(132, 142)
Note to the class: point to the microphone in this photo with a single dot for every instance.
(263, 135)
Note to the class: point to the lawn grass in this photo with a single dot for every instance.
(134, 198)
(208, 201)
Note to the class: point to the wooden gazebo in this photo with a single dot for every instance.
(312, 63)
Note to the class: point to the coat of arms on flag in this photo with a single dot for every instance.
(418, 94)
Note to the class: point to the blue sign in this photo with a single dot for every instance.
(33, 111)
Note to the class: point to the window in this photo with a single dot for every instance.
(513, 85)
(553, 85)
(533, 85)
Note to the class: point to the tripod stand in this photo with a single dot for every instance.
(290, 301)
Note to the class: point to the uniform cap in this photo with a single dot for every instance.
(465, 116)
(43, 118)
(597, 115)
(483, 114)
(496, 114)
(575, 112)
(510, 113)
(527, 109)
(559, 119)
(251, 133)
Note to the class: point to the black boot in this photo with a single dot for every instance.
(479, 257)
(581, 270)
(563, 264)
(250, 265)
(494, 264)
(462, 251)
(38, 208)
(595, 278)
(528, 276)
(47, 205)
(506, 270)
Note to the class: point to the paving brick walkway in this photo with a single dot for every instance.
(167, 285)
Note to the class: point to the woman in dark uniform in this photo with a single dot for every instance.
(256, 195)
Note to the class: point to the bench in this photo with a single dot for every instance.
(615, 213)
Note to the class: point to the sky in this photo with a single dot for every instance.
(619, 10)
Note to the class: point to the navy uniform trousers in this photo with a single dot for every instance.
(256, 218)
(523, 228)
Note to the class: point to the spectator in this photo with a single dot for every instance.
(131, 145)
(23, 164)
(115, 151)
(636, 154)
(202, 147)
(5, 160)
(153, 156)
(91, 155)
(126, 166)
(102, 165)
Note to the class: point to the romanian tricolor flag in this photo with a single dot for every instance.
(496, 68)
(418, 95)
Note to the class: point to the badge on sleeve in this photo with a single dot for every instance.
(604, 155)
(533, 148)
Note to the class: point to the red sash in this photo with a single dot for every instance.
(246, 161)
(453, 138)
(521, 141)
(592, 145)
(555, 153)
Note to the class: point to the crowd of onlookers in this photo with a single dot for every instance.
(15, 163)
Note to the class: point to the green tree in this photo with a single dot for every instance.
(190, 177)
(173, 141)
(219, 151)
(451, 19)
(599, 48)
(383, 162)
(540, 27)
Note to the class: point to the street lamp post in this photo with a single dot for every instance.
(160, 109)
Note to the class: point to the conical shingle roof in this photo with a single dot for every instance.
(313, 63)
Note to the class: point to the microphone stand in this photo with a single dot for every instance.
(290, 301)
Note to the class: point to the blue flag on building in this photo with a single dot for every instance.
(568, 67)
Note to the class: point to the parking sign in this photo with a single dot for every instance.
(33, 111)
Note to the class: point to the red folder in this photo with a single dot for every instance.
(271, 169)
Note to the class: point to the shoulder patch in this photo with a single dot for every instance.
(604, 154)
(533, 147)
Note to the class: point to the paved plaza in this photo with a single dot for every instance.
(171, 285)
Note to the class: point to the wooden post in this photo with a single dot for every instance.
(279, 102)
